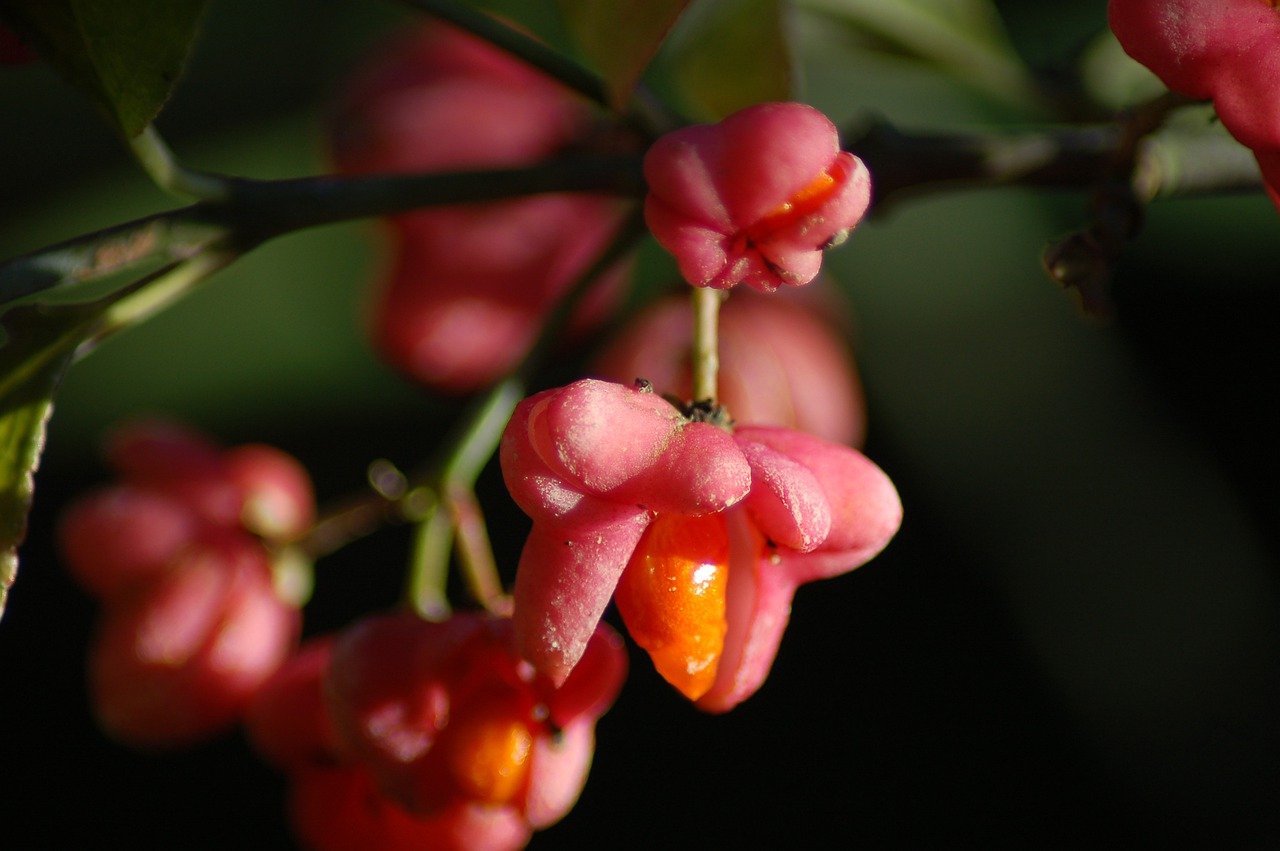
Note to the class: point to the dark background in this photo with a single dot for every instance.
(1074, 639)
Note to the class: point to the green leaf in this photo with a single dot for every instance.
(542, 20)
(963, 37)
(918, 25)
(730, 54)
(126, 54)
(41, 341)
(1114, 79)
(619, 37)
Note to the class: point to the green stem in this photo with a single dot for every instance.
(1179, 164)
(1135, 174)
(455, 518)
(652, 114)
(156, 292)
(477, 441)
(645, 113)
(706, 353)
(341, 524)
(472, 449)
(474, 444)
(446, 512)
(158, 161)
(475, 552)
(429, 571)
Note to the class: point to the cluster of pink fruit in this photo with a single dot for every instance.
(406, 734)
(400, 732)
(181, 556)
(472, 732)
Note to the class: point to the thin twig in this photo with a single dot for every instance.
(428, 574)
(256, 210)
(706, 346)
(158, 161)
(475, 552)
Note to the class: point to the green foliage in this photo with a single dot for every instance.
(40, 344)
(731, 54)
(1114, 80)
(542, 19)
(125, 54)
(595, 26)
(963, 37)
(611, 41)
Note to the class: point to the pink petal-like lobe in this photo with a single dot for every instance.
(754, 199)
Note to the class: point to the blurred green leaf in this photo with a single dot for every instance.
(974, 22)
(126, 54)
(620, 38)
(732, 53)
(40, 343)
(1114, 80)
(540, 19)
(964, 37)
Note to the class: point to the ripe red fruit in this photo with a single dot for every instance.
(179, 490)
(438, 98)
(178, 462)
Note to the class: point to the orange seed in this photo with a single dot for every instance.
(672, 598)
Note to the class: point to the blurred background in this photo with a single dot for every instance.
(1075, 637)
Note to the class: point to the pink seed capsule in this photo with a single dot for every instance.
(123, 535)
(704, 534)
(468, 286)
(755, 199)
(179, 658)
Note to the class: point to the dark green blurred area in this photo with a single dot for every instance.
(1075, 638)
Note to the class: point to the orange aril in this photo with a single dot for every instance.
(804, 203)
(672, 598)
(489, 746)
